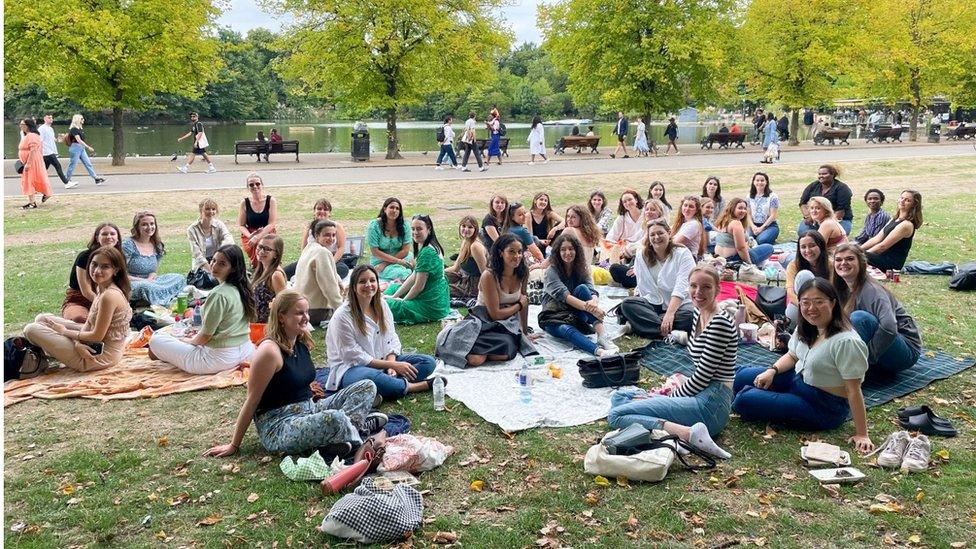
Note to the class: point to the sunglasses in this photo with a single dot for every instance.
(263, 248)
(253, 185)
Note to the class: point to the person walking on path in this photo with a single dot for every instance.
(79, 149)
(640, 138)
(672, 134)
(494, 126)
(33, 177)
(471, 145)
(49, 146)
(200, 144)
(537, 141)
(447, 144)
(623, 126)
(770, 140)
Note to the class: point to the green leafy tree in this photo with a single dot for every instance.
(637, 55)
(912, 50)
(796, 50)
(111, 54)
(390, 54)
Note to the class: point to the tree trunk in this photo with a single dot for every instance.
(118, 139)
(795, 127)
(916, 104)
(392, 143)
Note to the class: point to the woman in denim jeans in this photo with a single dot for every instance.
(699, 408)
(818, 382)
(79, 150)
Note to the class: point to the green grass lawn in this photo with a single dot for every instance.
(129, 473)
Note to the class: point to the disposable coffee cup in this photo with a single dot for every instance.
(749, 333)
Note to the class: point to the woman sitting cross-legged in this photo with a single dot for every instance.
(143, 252)
(362, 344)
(206, 234)
(98, 343)
(894, 343)
(662, 304)
(81, 293)
(268, 279)
(494, 328)
(698, 409)
(812, 260)
(472, 259)
(730, 239)
(389, 245)
(570, 304)
(316, 277)
(223, 340)
(889, 248)
(424, 296)
(817, 383)
(279, 394)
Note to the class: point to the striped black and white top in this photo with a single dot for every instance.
(713, 351)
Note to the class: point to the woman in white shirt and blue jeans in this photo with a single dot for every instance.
(447, 145)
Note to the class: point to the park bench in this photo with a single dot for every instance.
(882, 135)
(961, 132)
(831, 136)
(578, 142)
(724, 140)
(256, 147)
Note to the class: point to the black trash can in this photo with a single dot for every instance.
(935, 133)
(360, 145)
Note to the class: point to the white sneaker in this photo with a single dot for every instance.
(438, 168)
(483, 169)
(182, 169)
(531, 163)
(892, 452)
(458, 167)
(211, 169)
(546, 162)
(465, 170)
(608, 345)
(70, 184)
(917, 455)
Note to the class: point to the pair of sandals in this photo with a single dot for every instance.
(33, 205)
(924, 420)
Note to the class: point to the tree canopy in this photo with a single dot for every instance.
(111, 54)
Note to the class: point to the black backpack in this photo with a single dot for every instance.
(501, 129)
(440, 134)
(965, 278)
(22, 359)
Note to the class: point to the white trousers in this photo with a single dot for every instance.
(198, 359)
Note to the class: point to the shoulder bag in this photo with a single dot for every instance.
(610, 371)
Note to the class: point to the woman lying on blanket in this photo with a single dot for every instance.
(361, 343)
(894, 343)
(472, 260)
(662, 304)
(279, 394)
(812, 260)
(99, 342)
(570, 304)
(698, 409)
(818, 382)
(424, 295)
(78, 299)
(494, 328)
(223, 340)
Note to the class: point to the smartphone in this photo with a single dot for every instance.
(94, 347)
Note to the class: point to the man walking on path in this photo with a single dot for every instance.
(623, 126)
(471, 145)
(199, 146)
(49, 149)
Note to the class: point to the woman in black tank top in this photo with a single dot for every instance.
(257, 216)
(889, 248)
(280, 395)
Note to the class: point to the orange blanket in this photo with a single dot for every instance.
(136, 376)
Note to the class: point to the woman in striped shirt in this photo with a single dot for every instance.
(698, 409)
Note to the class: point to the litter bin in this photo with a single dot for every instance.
(360, 144)
(935, 133)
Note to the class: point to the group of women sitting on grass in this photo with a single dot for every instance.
(847, 325)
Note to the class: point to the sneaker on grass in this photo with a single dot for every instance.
(917, 455)
(892, 452)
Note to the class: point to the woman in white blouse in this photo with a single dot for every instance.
(763, 208)
(362, 343)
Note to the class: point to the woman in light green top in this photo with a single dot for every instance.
(424, 296)
(222, 341)
(389, 244)
(817, 384)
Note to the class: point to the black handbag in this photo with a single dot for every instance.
(610, 371)
(19, 166)
(771, 300)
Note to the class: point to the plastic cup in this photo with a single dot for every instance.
(749, 332)
(257, 332)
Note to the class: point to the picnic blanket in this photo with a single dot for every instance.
(136, 376)
(666, 359)
(492, 390)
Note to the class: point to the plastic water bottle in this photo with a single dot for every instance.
(198, 316)
(438, 389)
(525, 384)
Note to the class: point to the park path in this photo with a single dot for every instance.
(419, 168)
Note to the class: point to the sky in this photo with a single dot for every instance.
(244, 15)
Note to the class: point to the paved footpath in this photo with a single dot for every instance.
(332, 170)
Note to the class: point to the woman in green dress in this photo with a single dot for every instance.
(424, 296)
(389, 243)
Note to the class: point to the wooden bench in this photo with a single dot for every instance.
(961, 132)
(724, 140)
(258, 148)
(483, 145)
(882, 135)
(831, 136)
(578, 142)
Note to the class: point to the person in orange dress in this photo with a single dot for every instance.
(33, 179)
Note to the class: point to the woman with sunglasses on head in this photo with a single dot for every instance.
(81, 292)
(889, 248)
(143, 251)
(494, 327)
(315, 275)
(362, 343)
(223, 340)
(424, 295)
(763, 209)
(893, 340)
(817, 383)
(698, 409)
(389, 243)
(472, 260)
(205, 235)
(257, 216)
(268, 279)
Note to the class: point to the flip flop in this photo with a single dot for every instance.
(923, 423)
(45, 197)
(905, 413)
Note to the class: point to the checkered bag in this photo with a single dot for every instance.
(371, 514)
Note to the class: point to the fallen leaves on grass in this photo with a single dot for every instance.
(600, 480)
(252, 497)
(591, 498)
(832, 489)
(631, 524)
(210, 520)
(443, 538)
(770, 433)
(230, 468)
(549, 533)
(163, 442)
(623, 482)
(477, 485)
(942, 454)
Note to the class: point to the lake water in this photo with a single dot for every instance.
(160, 139)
